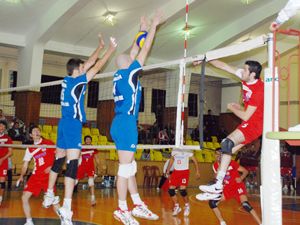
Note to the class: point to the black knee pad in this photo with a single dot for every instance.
(71, 170)
(227, 146)
(2, 185)
(213, 204)
(57, 165)
(172, 192)
(183, 192)
(246, 205)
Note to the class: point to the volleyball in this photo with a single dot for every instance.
(140, 38)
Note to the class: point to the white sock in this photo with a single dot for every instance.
(50, 191)
(220, 178)
(93, 197)
(29, 220)
(67, 203)
(187, 204)
(123, 205)
(136, 199)
(1, 198)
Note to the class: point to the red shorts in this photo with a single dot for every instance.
(37, 183)
(86, 168)
(234, 191)
(286, 171)
(4, 168)
(179, 178)
(251, 131)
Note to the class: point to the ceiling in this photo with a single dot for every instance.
(72, 26)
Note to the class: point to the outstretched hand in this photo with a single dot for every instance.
(144, 23)
(101, 41)
(158, 17)
(274, 26)
(113, 43)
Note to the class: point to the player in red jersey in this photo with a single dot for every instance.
(180, 178)
(251, 115)
(87, 167)
(38, 181)
(5, 153)
(234, 187)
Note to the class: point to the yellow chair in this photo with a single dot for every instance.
(189, 142)
(196, 143)
(95, 139)
(157, 156)
(54, 129)
(86, 131)
(210, 145)
(199, 156)
(208, 156)
(113, 154)
(95, 131)
(47, 129)
(102, 139)
(45, 135)
(214, 139)
(217, 145)
(138, 154)
(53, 137)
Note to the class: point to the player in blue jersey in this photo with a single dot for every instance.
(127, 95)
(70, 125)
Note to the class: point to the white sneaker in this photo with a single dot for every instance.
(295, 128)
(125, 217)
(285, 188)
(176, 210)
(65, 216)
(212, 188)
(29, 223)
(142, 211)
(223, 223)
(50, 199)
(208, 196)
(186, 210)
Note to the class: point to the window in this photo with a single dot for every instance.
(193, 105)
(158, 100)
(13, 75)
(142, 104)
(93, 93)
(51, 94)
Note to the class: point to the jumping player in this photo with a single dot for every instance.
(5, 153)
(180, 178)
(127, 96)
(251, 115)
(38, 181)
(70, 125)
(234, 187)
(87, 167)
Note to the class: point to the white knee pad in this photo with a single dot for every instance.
(127, 170)
(134, 168)
(91, 181)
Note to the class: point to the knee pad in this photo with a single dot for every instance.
(125, 170)
(71, 170)
(91, 182)
(134, 168)
(213, 204)
(183, 192)
(247, 206)
(172, 192)
(2, 185)
(57, 165)
(227, 146)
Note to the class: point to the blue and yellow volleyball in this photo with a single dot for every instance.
(140, 38)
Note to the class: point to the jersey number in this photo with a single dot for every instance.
(41, 161)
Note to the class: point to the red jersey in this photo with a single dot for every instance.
(88, 154)
(4, 139)
(253, 94)
(43, 157)
(231, 174)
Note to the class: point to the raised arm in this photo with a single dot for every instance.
(149, 39)
(93, 58)
(224, 66)
(101, 62)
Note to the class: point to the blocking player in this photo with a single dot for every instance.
(38, 181)
(127, 96)
(87, 167)
(251, 115)
(70, 125)
(180, 178)
(234, 187)
(5, 153)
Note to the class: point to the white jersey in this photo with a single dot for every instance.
(288, 11)
(181, 159)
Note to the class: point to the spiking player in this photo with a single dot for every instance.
(251, 115)
(70, 125)
(38, 181)
(127, 96)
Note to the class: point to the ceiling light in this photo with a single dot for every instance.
(247, 2)
(187, 31)
(110, 18)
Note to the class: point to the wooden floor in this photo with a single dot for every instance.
(11, 210)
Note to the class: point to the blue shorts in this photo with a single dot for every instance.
(69, 134)
(124, 132)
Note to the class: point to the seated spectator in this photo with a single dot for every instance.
(16, 132)
(146, 155)
(286, 167)
(2, 117)
(163, 138)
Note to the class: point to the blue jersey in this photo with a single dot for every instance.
(72, 97)
(127, 90)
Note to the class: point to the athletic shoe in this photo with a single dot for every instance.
(125, 217)
(176, 210)
(29, 223)
(142, 211)
(212, 188)
(50, 199)
(65, 216)
(186, 210)
(223, 223)
(208, 196)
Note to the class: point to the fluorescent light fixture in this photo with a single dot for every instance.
(247, 2)
(110, 18)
